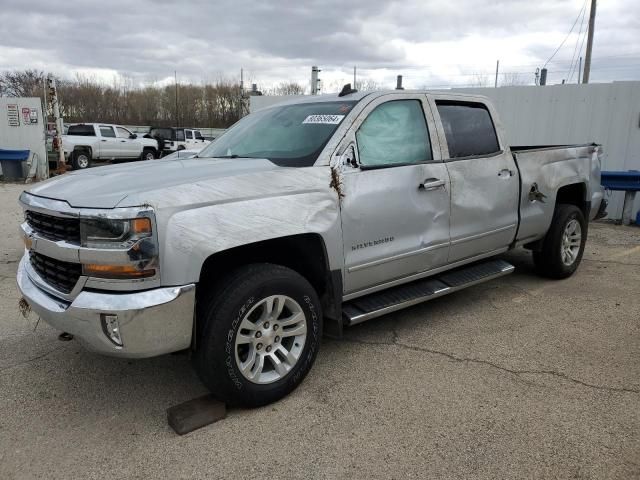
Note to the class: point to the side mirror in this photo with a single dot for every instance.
(349, 157)
(133, 136)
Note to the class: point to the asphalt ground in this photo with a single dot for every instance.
(520, 377)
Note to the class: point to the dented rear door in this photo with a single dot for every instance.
(484, 178)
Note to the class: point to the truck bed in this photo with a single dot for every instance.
(545, 169)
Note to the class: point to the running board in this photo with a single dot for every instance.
(397, 298)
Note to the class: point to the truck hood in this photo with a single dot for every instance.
(132, 184)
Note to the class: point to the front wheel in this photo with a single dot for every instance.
(148, 154)
(563, 246)
(258, 334)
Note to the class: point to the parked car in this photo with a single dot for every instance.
(86, 142)
(172, 139)
(304, 218)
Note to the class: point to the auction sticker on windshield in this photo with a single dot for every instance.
(324, 119)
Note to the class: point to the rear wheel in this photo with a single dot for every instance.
(258, 334)
(80, 159)
(563, 246)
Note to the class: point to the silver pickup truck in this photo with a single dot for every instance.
(303, 218)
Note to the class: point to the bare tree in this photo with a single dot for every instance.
(26, 83)
(480, 80)
(513, 79)
(368, 85)
(287, 88)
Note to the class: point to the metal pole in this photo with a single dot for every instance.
(497, 67)
(314, 80)
(399, 83)
(53, 92)
(543, 76)
(587, 58)
(354, 78)
(175, 78)
(240, 99)
(579, 69)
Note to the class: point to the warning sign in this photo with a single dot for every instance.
(13, 115)
(29, 116)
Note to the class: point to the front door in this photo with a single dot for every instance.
(484, 181)
(128, 148)
(395, 209)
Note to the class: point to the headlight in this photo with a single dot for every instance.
(112, 233)
(138, 252)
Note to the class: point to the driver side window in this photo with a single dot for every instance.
(394, 133)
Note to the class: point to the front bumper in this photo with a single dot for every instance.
(152, 322)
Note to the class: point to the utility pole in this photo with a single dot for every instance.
(314, 80)
(495, 85)
(587, 58)
(175, 80)
(57, 140)
(354, 78)
(579, 70)
(241, 96)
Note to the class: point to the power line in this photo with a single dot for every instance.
(565, 38)
(573, 57)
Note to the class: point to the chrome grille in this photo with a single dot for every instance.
(63, 276)
(54, 228)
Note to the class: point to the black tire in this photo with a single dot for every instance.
(148, 154)
(549, 259)
(80, 159)
(221, 310)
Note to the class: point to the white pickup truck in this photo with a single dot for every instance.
(85, 142)
(303, 218)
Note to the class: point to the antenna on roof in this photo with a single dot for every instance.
(347, 90)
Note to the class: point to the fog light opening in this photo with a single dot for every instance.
(111, 328)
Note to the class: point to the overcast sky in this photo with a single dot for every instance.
(432, 43)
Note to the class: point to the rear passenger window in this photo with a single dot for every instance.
(189, 134)
(394, 133)
(180, 135)
(468, 128)
(82, 130)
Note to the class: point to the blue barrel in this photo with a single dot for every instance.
(11, 163)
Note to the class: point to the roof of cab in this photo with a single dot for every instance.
(357, 96)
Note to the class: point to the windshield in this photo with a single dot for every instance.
(290, 135)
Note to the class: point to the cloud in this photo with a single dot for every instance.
(431, 43)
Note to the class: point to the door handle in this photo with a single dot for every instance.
(123, 141)
(103, 140)
(431, 184)
(506, 173)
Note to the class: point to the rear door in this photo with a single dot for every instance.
(484, 179)
(109, 147)
(128, 148)
(395, 208)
